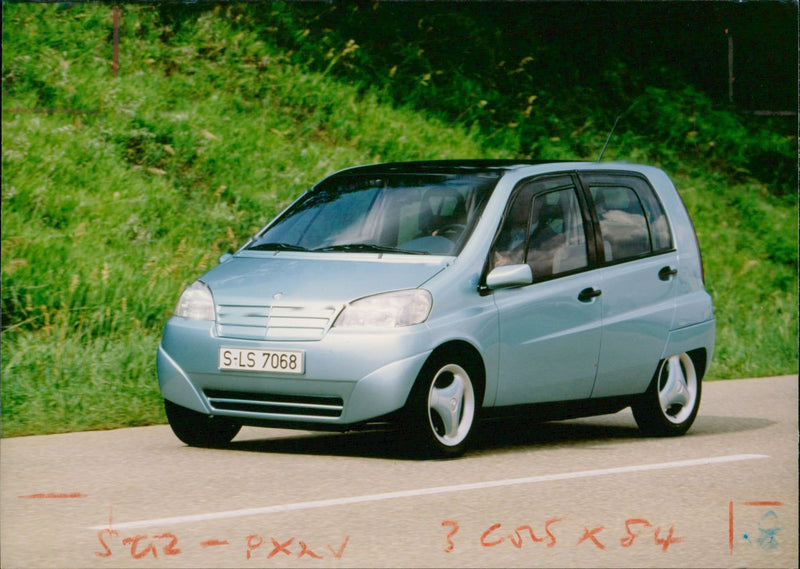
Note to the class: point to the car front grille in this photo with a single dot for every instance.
(276, 322)
(275, 404)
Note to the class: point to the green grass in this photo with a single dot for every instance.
(749, 249)
(208, 131)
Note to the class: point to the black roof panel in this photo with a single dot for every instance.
(445, 166)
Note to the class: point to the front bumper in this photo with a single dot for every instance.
(350, 376)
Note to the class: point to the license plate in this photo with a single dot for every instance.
(268, 361)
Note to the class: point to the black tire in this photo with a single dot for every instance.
(443, 407)
(199, 430)
(669, 406)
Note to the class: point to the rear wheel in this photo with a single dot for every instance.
(199, 430)
(442, 408)
(670, 404)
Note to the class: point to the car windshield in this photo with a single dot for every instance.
(393, 213)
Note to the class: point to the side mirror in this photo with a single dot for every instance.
(509, 276)
(225, 257)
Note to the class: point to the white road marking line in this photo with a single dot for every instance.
(160, 522)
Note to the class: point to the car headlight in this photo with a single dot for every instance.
(196, 303)
(387, 310)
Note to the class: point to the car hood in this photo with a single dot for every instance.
(297, 278)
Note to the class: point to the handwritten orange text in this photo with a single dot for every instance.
(164, 545)
(548, 534)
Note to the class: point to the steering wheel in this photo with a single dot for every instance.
(451, 231)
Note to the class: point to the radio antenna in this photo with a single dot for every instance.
(609, 138)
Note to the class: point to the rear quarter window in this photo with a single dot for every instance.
(632, 219)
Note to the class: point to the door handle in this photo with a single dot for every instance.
(588, 294)
(666, 272)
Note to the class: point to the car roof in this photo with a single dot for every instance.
(494, 167)
(446, 166)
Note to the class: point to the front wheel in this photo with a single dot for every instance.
(670, 404)
(442, 408)
(199, 430)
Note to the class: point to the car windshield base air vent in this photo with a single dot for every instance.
(275, 404)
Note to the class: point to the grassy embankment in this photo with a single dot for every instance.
(119, 191)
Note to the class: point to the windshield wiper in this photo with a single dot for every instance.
(368, 248)
(277, 247)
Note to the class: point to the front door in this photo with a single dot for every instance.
(550, 330)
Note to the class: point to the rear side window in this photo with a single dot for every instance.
(632, 220)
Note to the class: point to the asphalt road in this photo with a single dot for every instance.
(584, 493)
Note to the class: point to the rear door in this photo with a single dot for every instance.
(550, 330)
(638, 268)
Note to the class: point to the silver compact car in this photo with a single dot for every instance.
(434, 294)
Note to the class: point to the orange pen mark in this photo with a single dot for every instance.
(730, 526)
(628, 541)
(134, 542)
(450, 544)
(55, 495)
(213, 542)
(338, 554)
(592, 535)
(169, 549)
(549, 533)
(669, 540)
(253, 545)
(106, 549)
(486, 534)
(763, 503)
(518, 542)
(307, 551)
(280, 547)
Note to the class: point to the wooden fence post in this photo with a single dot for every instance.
(115, 60)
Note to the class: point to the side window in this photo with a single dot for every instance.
(659, 228)
(557, 240)
(632, 219)
(544, 228)
(622, 222)
(510, 247)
